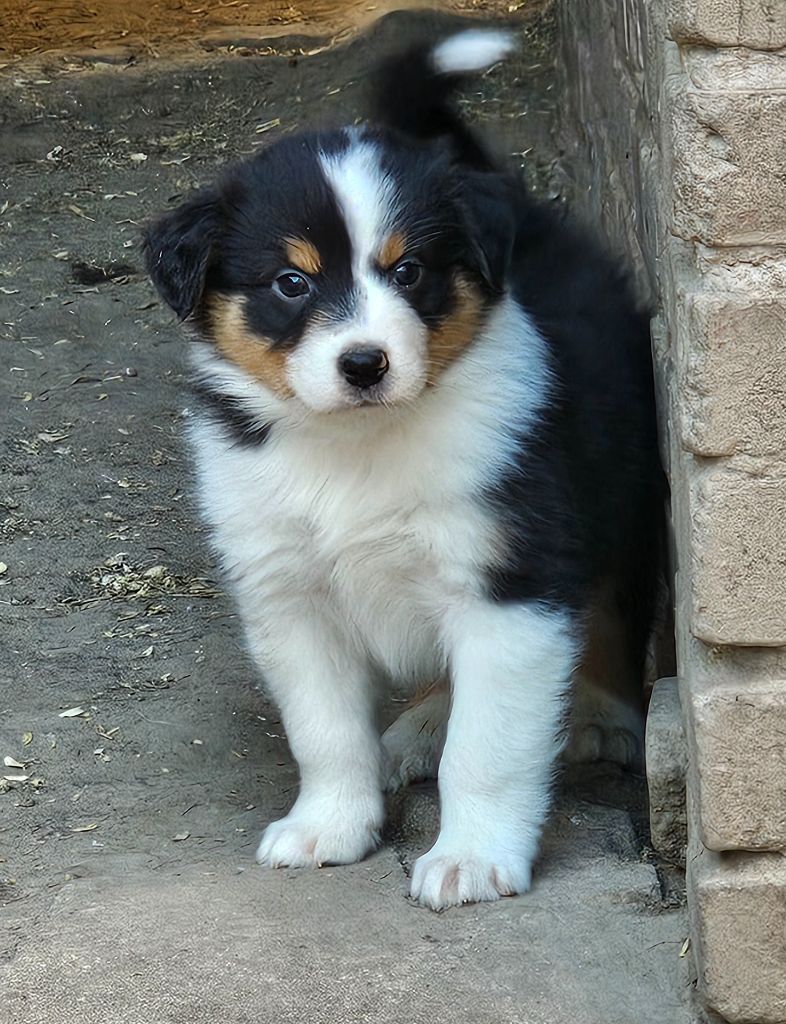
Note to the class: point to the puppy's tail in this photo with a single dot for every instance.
(413, 91)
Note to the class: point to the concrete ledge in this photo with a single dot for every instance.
(215, 943)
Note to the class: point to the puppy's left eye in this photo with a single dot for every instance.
(292, 285)
(407, 274)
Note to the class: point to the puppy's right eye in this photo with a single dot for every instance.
(408, 273)
(292, 285)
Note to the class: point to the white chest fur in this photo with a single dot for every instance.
(374, 517)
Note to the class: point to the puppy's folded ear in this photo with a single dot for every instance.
(178, 250)
(487, 203)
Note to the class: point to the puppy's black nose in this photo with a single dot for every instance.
(363, 367)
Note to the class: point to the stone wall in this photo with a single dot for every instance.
(680, 156)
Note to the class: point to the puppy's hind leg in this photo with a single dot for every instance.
(413, 743)
(607, 714)
(607, 719)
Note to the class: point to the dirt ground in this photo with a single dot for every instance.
(113, 29)
(135, 739)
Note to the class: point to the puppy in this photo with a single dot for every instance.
(426, 446)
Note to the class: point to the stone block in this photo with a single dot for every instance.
(759, 24)
(738, 918)
(732, 70)
(738, 556)
(728, 183)
(734, 386)
(739, 767)
(666, 759)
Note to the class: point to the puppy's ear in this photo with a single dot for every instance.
(178, 250)
(487, 203)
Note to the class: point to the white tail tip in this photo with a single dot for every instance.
(472, 50)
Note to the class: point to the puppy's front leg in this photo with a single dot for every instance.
(326, 702)
(510, 667)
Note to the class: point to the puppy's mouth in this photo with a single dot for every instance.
(376, 394)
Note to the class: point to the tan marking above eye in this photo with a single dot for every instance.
(393, 248)
(457, 331)
(251, 352)
(303, 255)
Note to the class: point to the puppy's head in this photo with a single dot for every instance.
(341, 269)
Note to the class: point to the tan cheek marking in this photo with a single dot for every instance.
(446, 342)
(303, 255)
(247, 350)
(393, 248)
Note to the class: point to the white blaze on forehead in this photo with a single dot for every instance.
(380, 317)
(365, 195)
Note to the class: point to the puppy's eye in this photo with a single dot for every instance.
(407, 274)
(292, 285)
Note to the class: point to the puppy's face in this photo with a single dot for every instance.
(343, 270)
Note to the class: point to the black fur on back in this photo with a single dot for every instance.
(586, 503)
(407, 95)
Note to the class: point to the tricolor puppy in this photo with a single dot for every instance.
(426, 447)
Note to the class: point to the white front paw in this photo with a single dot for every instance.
(304, 841)
(451, 874)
